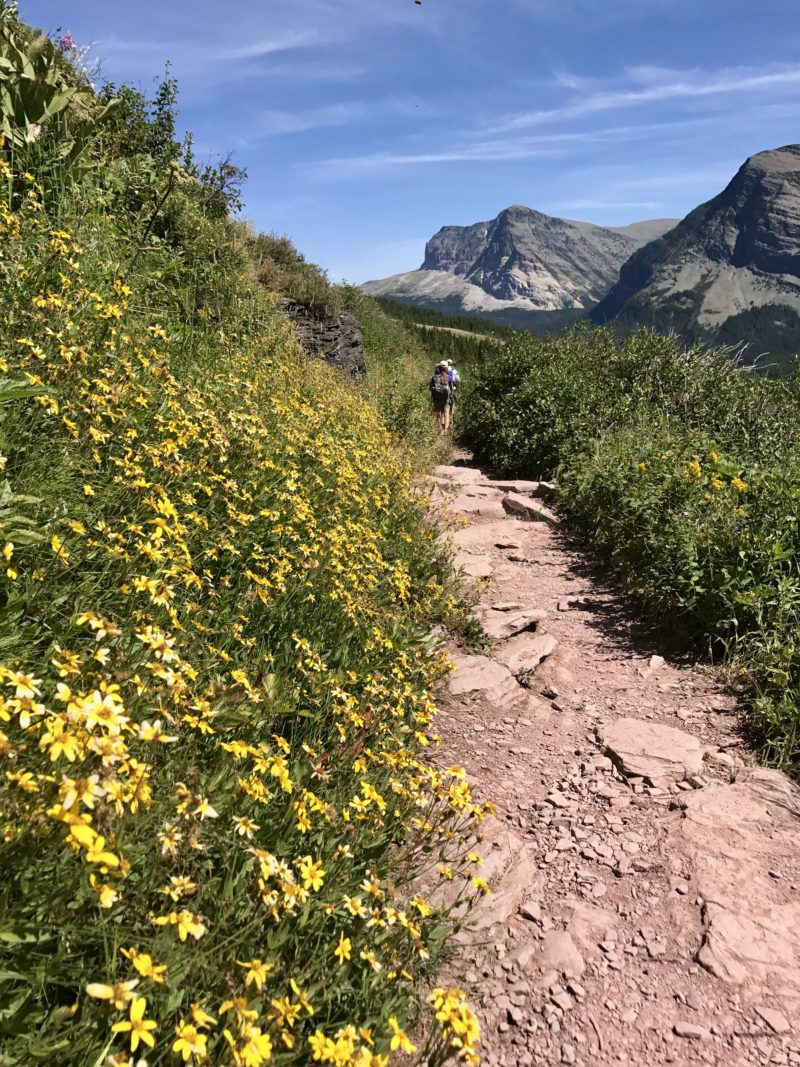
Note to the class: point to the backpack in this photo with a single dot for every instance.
(438, 387)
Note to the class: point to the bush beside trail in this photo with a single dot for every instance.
(685, 470)
(216, 613)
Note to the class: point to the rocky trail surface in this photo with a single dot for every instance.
(645, 873)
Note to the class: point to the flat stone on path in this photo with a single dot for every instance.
(651, 751)
(474, 566)
(479, 674)
(487, 534)
(530, 510)
(457, 474)
(559, 953)
(775, 1020)
(514, 485)
(692, 1031)
(510, 867)
(733, 836)
(490, 509)
(526, 651)
(502, 624)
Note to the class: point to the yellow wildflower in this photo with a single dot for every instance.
(145, 965)
(190, 1042)
(343, 949)
(138, 1027)
(257, 972)
(400, 1039)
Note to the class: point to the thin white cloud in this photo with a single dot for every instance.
(490, 150)
(605, 205)
(675, 85)
(344, 166)
(200, 53)
(279, 122)
(345, 113)
(268, 46)
(508, 139)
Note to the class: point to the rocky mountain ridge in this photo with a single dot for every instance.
(730, 270)
(523, 260)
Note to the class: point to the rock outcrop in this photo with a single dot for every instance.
(335, 338)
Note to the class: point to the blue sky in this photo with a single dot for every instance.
(365, 125)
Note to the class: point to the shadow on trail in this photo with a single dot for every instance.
(614, 612)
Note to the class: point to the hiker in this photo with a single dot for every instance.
(441, 394)
(454, 379)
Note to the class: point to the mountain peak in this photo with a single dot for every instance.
(524, 259)
(785, 160)
(732, 258)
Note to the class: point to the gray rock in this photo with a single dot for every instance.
(480, 674)
(336, 339)
(558, 952)
(731, 837)
(775, 1020)
(474, 566)
(525, 651)
(515, 1016)
(651, 751)
(531, 911)
(503, 624)
(513, 485)
(692, 1031)
(529, 510)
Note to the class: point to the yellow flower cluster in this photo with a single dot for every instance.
(459, 1025)
(212, 723)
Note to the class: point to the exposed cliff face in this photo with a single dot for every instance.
(729, 259)
(335, 338)
(523, 259)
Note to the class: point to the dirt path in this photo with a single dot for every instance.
(645, 875)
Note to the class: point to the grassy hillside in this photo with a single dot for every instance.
(685, 470)
(218, 592)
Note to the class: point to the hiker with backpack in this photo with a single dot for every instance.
(441, 395)
(454, 379)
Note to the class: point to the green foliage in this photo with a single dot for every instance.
(685, 470)
(281, 269)
(35, 83)
(48, 114)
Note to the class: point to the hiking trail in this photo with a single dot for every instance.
(645, 873)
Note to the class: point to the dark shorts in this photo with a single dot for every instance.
(440, 403)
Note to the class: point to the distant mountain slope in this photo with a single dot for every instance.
(523, 260)
(730, 270)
